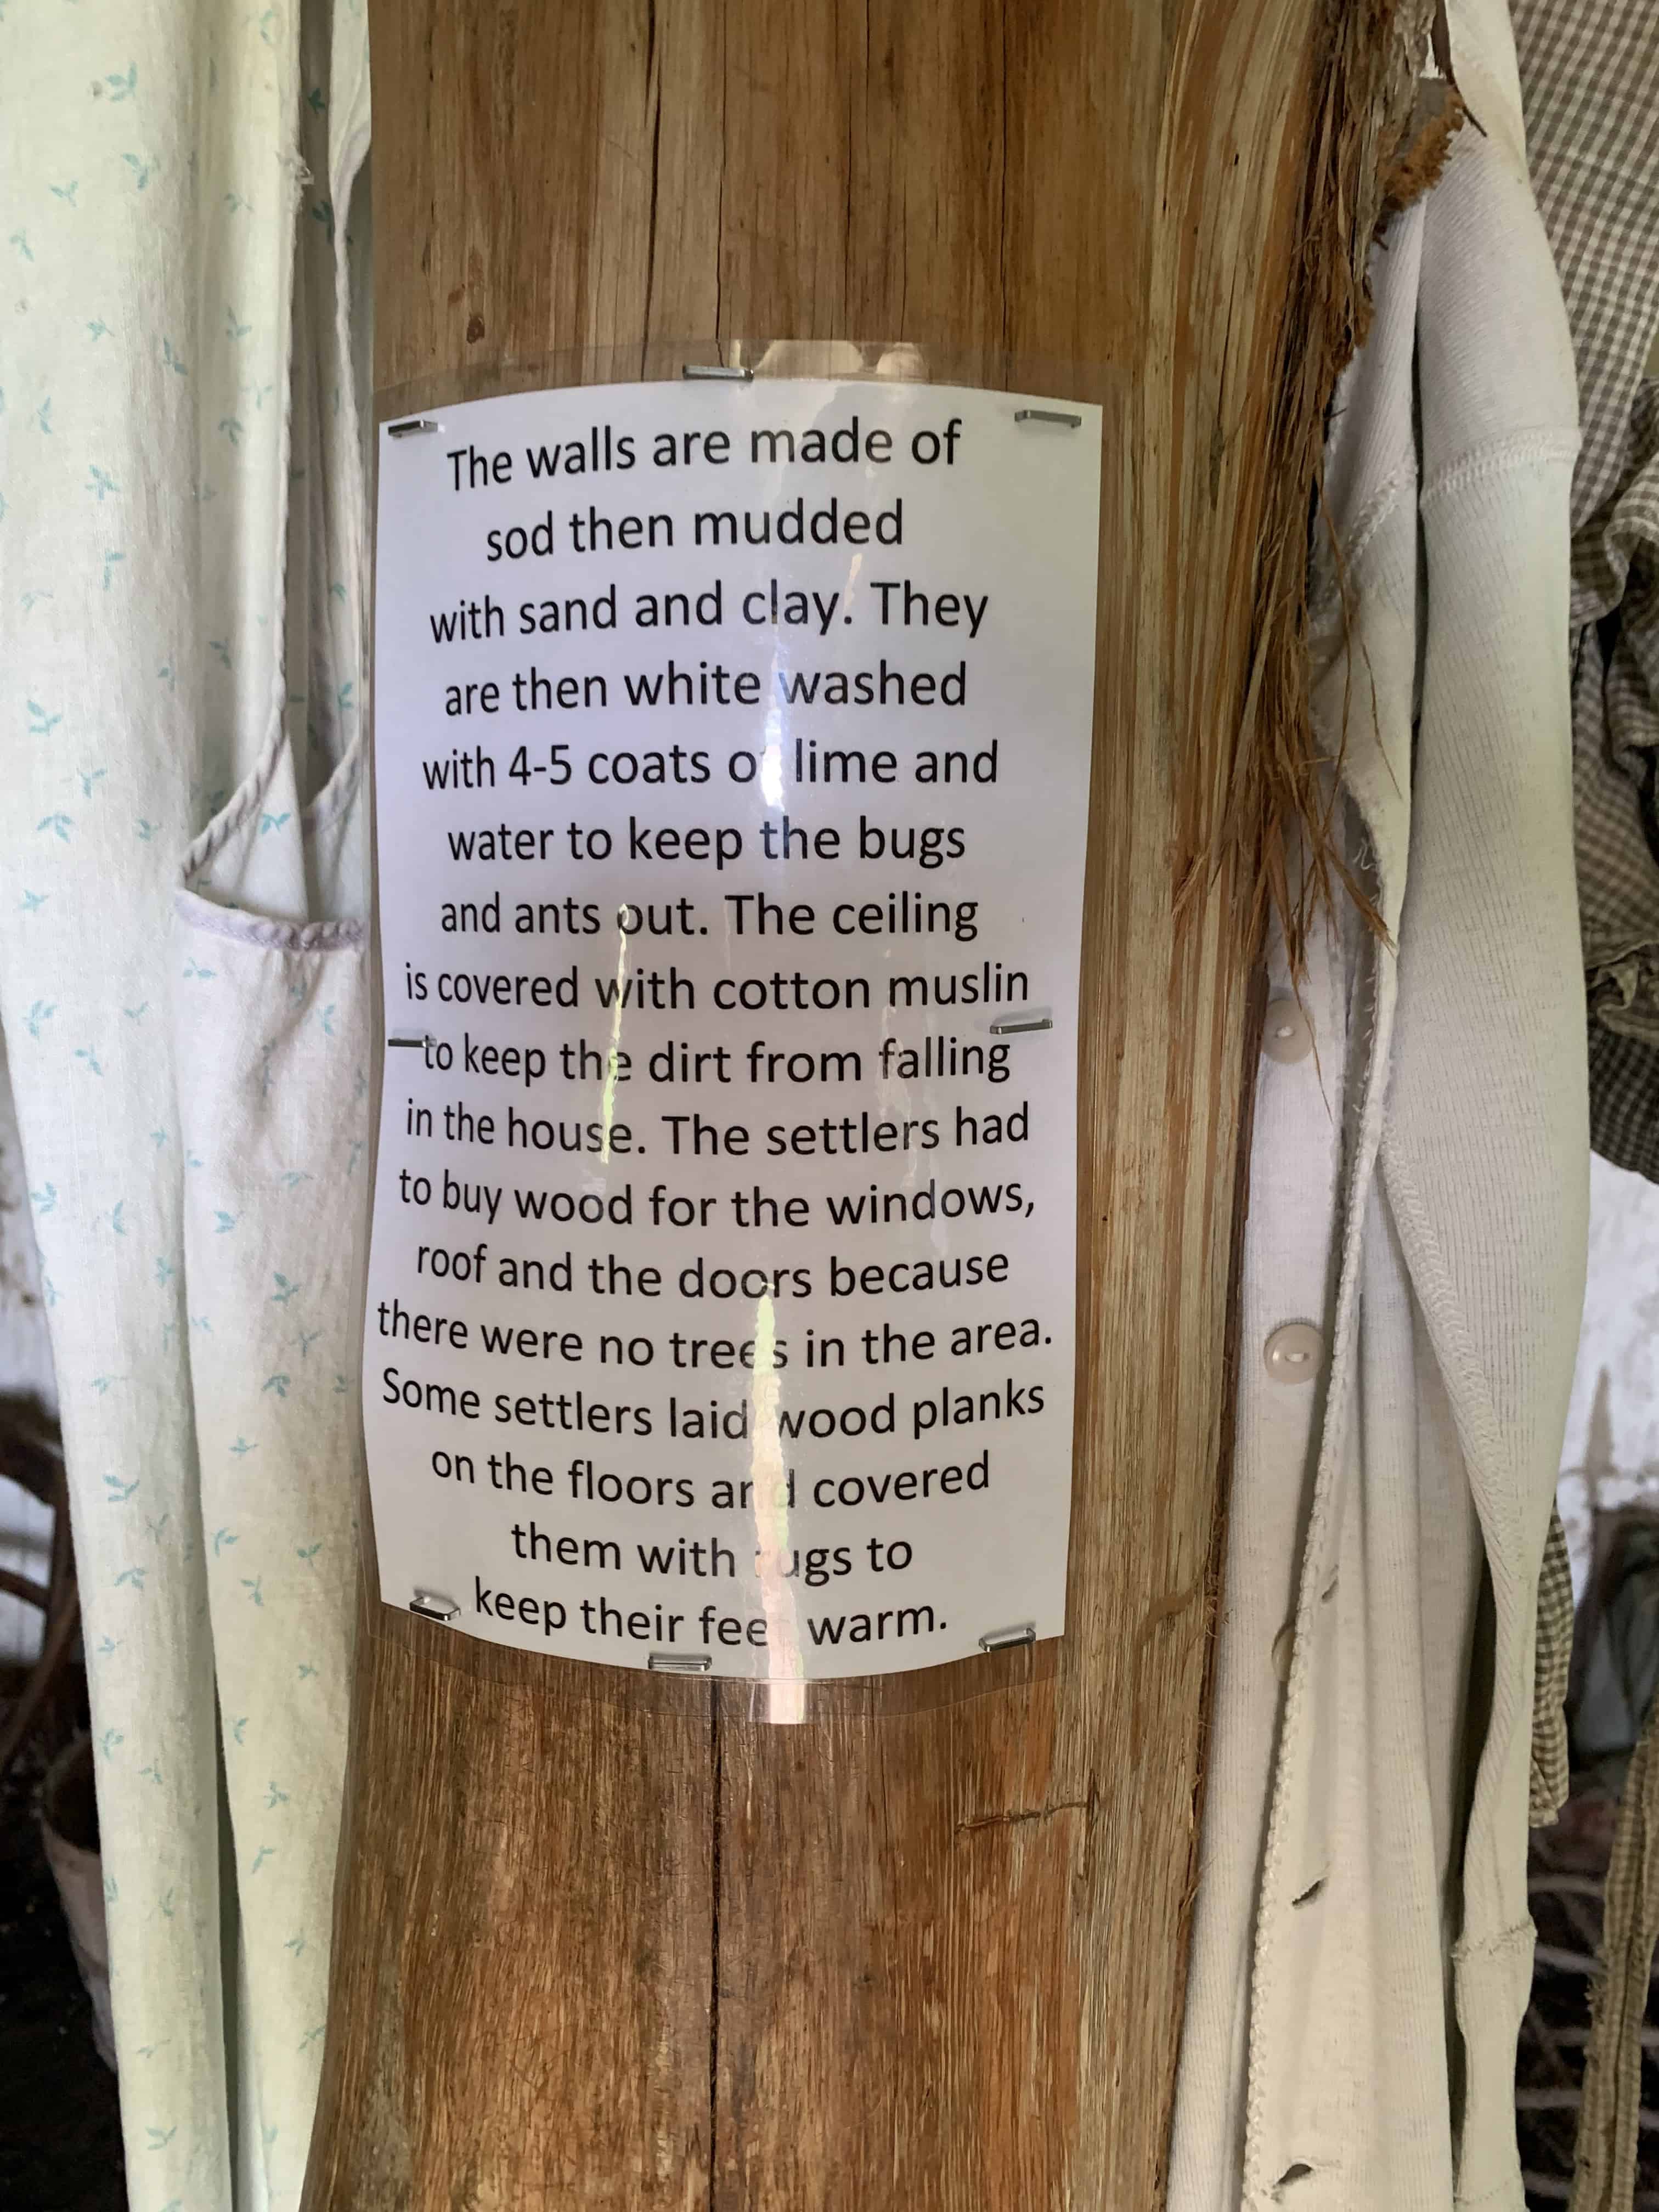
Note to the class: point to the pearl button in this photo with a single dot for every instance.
(1287, 1034)
(1285, 1650)
(1295, 1352)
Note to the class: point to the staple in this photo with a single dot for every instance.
(1005, 1639)
(678, 1663)
(406, 1044)
(702, 372)
(1048, 414)
(1021, 1025)
(416, 427)
(433, 1605)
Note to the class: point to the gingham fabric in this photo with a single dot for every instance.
(1604, 2162)
(1547, 1784)
(1590, 81)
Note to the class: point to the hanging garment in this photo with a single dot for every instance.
(182, 986)
(1412, 1270)
(1590, 81)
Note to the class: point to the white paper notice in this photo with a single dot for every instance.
(732, 749)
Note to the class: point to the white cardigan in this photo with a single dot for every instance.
(1362, 1950)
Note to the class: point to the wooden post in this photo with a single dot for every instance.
(607, 1941)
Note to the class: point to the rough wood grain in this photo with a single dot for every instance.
(640, 1949)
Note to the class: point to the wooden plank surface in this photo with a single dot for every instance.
(643, 1950)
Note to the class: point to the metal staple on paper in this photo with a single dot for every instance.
(1003, 1639)
(678, 1663)
(1048, 414)
(416, 426)
(701, 371)
(433, 1605)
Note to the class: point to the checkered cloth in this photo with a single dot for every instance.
(1589, 82)
(1547, 1789)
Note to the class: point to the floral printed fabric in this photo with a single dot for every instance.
(184, 994)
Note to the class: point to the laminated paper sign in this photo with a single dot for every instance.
(732, 759)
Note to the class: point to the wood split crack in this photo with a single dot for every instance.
(1027, 1814)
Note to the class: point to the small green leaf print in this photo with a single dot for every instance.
(224, 1223)
(274, 1797)
(137, 1013)
(269, 822)
(251, 1585)
(276, 1382)
(84, 1052)
(284, 1290)
(173, 361)
(101, 481)
(195, 973)
(221, 1537)
(122, 88)
(265, 1851)
(31, 902)
(151, 1773)
(143, 830)
(66, 192)
(59, 824)
(160, 2138)
(337, 592)
(41, 724)
(106, 1645)
(112, 561)
(43, 412)
(132, 1576)
(296, 1944)
(305, 1672)
(216, 644)
(314, 99)
(308, 1553)
(90, 778)
(116, 1213)
(141, 171)
(310, 2036)
(231, 428)
(234, 330)
(30, 600)
(237, 1726)
(97, 330)
(20, 238)
(45, 1197)
(306, 1339)
(237, 204)
(41, 1011)
(323, 213)
(119, 1492)
(111, 1742)
(241, 1448)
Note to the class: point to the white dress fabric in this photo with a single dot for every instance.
(183, 907)
(1362, 1949)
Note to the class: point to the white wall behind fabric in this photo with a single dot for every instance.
(183, 989)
